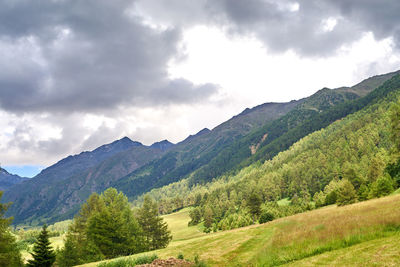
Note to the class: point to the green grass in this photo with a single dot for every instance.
(396, 192)
(284, 202)
(378, 252)
(178, 224)
(124, 262)
(311, 237)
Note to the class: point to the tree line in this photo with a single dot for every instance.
(104, 228)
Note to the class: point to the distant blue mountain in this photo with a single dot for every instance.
(7, 180)
(162, 145)
(57, 192)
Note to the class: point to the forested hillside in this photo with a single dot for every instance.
(316, 112)
(352, 159)
(312, 113)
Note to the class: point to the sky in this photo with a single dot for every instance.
(79, 74)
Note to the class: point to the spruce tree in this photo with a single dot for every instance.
(9, 252)
(114, 230)
(43, 255)
(155, 230)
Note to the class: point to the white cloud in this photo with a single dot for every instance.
(250, 75)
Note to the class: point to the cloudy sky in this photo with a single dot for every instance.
(78, 74)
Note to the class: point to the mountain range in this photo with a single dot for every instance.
(256, 134)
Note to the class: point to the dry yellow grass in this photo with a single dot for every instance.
(330, 228)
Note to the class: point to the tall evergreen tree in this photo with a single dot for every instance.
(9, 253)
(43, 255)
(78, 249)
(104, 228)
(254, 205)
(114, 230)
(154, 228)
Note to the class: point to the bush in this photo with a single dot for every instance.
(266, 216)
(346, 194)
(145, 259)
(383, 186)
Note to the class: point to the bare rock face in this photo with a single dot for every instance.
(171, 262)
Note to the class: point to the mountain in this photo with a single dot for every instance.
(57, 192)
(197, 150)
(242, 140)
(356, 148)
(314, 113)
(255, 134)
(74, 164)
(163, 145)
(8, 180)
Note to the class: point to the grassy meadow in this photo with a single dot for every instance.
(366, 232)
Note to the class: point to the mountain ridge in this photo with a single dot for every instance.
(53, 185)
(7, 180)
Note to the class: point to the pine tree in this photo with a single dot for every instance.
(254, 205)
(154, 228)
(9, 252)
(78, 249)
(43, 255)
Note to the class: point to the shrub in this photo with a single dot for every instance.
(266, 216)
(145, 259)
(346, 194)
(383, 186)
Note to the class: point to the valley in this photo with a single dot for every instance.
(279, 184)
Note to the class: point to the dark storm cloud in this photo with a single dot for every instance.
(85, 55)
(281, 26)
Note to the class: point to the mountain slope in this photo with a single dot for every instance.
(57, 192)
(8, 180)
(214, 156)
(197, 150)
(357, 147)
(316, 112)
(49, 197)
